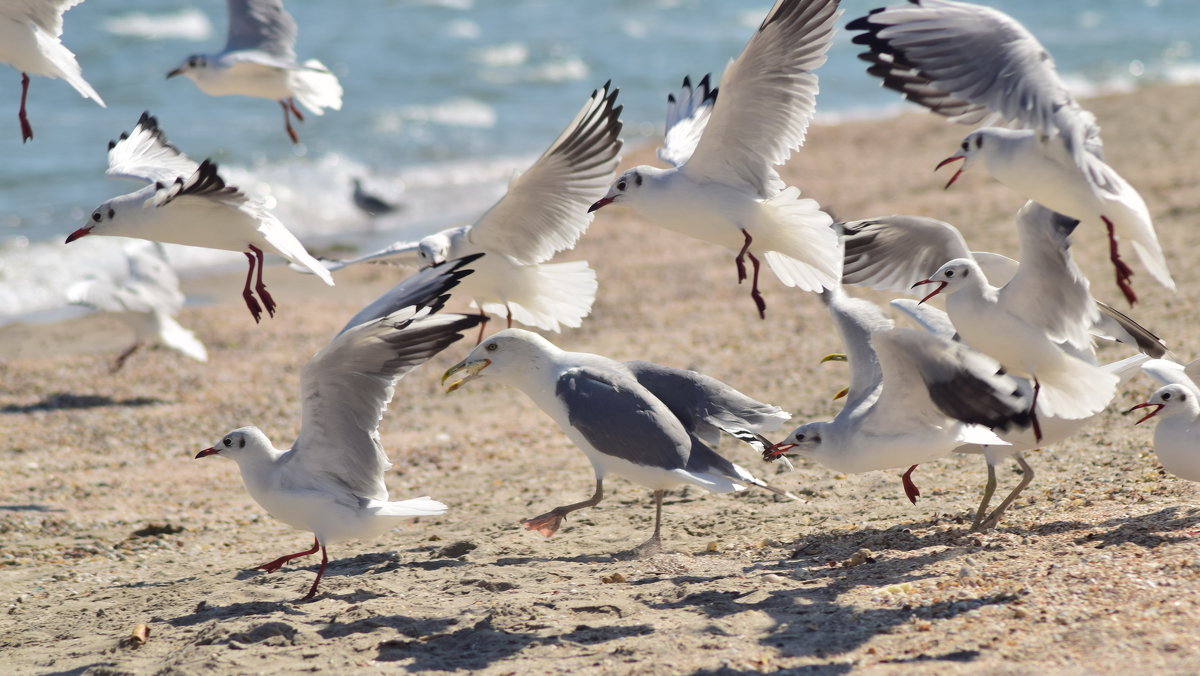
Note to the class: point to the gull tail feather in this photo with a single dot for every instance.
(316, 88)
(801, 246)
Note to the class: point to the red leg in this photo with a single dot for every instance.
(910, 488)
(1124, 273)
(1037, 426)
(287, 122)
(754, 292)
(509, 316)
(26, 130)
(740, 258)
(275, 565)
(260, 287)
(482, 326)
(251, 302)
(295, 111)
(312, 591)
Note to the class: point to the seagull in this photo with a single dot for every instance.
(976, 65)
(29, 32)
(147, 299)
(373, 205)
(189, 203)
(642, 421)
(892, 253)
(259, 60)
(1025, 324)
(1177, 436)
(330, 481)
(1054, 429)
(913, 397)
(543, 212)
(722, 186)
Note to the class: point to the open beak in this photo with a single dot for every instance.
(177, 71)
(602, 202)
(79, 233)
(207, 452)
(1151, 414)
(948, 160)
(941, 285)
(469, 370)
(777, 450)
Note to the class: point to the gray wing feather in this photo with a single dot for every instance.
(261, 25)
(619, 417)
(687, 115)
(894, 252)
(429, 288)
(856, 320)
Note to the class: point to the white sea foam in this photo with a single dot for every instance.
(186, 24)
(458, 112)
(505, 55)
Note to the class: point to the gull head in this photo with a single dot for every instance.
(433, 249)
(101, 215)
(804, 441)
(971, 145)
(510, 355)
(950, 276)
(239, 444)
(627, 186)
(1167, 400)
(190, 66)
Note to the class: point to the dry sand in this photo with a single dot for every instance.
(107, 522)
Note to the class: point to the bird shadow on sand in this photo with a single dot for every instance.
(1165, 526)
(205, 613)
(66, 401)
(30, 508)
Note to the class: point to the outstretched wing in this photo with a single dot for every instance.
(546, 209)
(144, 154)
(261, 25)
(346, 387)
(687, 115)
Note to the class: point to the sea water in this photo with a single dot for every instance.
(444, 101)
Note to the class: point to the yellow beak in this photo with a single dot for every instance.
(469, 370)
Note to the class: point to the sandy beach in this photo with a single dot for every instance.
(107, 522)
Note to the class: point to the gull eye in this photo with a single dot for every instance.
(621, 186)
(966, 145)
(949, 273)
(492, 347)
(96, 217)
(1166, 396)
(228, 441)
(799, 437)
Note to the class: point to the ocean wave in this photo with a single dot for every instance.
(458, 112)
(186, 24)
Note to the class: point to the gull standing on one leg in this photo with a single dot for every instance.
(723, 187)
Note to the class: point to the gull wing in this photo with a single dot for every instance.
(397, 253)
(431, 284)
(546, 209)
(687, 115)
(261, 25)
(144, 154)
(46, 14)
(856, 320)
(894, 252)
(347, 386)
(768, 97)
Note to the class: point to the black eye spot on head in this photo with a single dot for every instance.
(241, 442)
(96, 217)
(492, 347)
(110, 214)
(978, 142)
(637, 178)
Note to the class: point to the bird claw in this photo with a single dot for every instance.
(546, 524)
(910, 488)
(255, 308)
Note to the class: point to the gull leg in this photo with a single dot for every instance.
(260, 287)
(275, 565)
(741, 257)
(482, 325)
(1124, 272)
(1037, 426)
(1026, 476)
(291, 101)
(312, 591)
(653, 545)
(754, 292)
(247, 295)
(988, 489)
(120, 361)
(287, 121)
(547, 524)
(910, 488)
(26, 130)
(506, 307)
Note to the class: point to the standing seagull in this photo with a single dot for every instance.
(331, 480)
(543, 212)
(642, 421)
(188, 203)
(373, 205)
(259, 59)
(722, 186)
(147, 299)
(1177, 406)
(29, 32)
(913, 397)
(975, 65)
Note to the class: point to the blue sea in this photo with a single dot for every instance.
(444, 100)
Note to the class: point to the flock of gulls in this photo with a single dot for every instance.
(1009, 365)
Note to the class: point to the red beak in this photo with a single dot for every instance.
(941, 285)
(207, 452)
(948, 160)
(1151, 414)
(602, 202)
(777, 450)
(87, 229)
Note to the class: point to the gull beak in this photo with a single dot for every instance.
(948, 160)
(600, 203)
(1151, 414)
(841, 393)
(87, 229)
(471, 370)
(777, 450)
(836, 356)
(177, 71)
(941, 285)
(207, 452)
